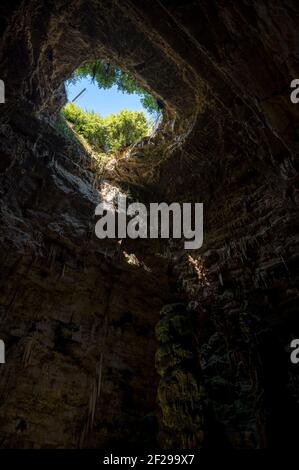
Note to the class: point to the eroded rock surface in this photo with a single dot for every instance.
(78, 315)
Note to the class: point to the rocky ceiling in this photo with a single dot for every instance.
(78, 315)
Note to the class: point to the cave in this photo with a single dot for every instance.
(87, 323)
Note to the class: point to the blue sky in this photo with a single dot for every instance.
(102, 101)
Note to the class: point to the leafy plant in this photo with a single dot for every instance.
(107, 134)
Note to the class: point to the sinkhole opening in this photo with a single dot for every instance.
(107, 110)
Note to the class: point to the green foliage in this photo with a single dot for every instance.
(88, 124)
(170, 355)
(125, 128)
(64, 129)
(107, 134)
(180, 394)
(106, 75)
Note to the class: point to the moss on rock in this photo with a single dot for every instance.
(180, 393)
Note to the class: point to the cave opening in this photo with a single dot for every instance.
(109, 110)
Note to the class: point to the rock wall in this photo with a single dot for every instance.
(78, 315)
